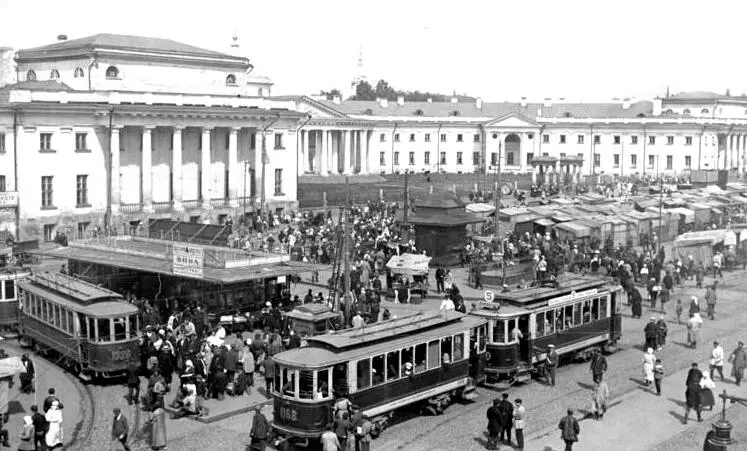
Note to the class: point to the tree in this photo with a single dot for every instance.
(384, 91)
(364, 91)
(331, 93)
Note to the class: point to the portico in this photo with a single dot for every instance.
(556, 171)
(327, 150)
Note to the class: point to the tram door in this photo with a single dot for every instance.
(617, 297)
(477, 354)
(524, 351)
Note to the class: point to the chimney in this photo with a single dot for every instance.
(400, 100)
(384, 102)
(548, 102)
(523, 101)
(336, 100)
(478, 103)
(454, 100)
(62, 37)
(429, 100)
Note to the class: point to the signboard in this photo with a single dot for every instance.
(571, 297)
(188, 261)
(8, 199)
(489, 296)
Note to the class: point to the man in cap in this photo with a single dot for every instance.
(120, 428)
(551, 364)
(717, 360)
(651, 333)
(663, 331)
(495, 424)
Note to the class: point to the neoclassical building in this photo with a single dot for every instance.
(115, 129)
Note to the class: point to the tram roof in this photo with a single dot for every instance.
(533, 296)
(106, 308)
(318, 355)
(493, 309)
(76, 289)
(154, 265)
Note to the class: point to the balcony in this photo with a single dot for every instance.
(223, 202)
(162, 207)
(131, 208)
(188, 204)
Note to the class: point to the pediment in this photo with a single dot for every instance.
(512, 120)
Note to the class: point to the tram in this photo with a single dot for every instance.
(9, 279)
(423, 359)
(93, 330)
(577, 316)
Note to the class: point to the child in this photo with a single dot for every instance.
(678, 310)
(699, 275)
(658, 376)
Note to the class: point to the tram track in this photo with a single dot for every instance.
(85, 426)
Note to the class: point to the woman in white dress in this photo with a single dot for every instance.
(649, 360)
(707, 400)
(54, 431)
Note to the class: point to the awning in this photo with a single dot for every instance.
(688, 214)
(716, 211)
(409, 264)
(480, 208)
(578, 230)
(544, 222)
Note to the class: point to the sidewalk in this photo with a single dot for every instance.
(637, 420)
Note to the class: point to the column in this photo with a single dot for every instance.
(257, 166)
(353, 150)
(534, 175)
(205, 167)
(317, 152)
(347, 152)
(558, 174)
(146, 168)
(176, 170)
(334, 143)
(365, 152)
(234, 179)
(115, 176)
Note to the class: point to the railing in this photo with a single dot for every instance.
(131, 208)
(160, 207)
(219, 202)
(192, 203)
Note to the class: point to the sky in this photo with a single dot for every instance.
(497, 50)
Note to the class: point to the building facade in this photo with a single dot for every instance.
(120, 129)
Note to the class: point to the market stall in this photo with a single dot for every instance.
(413, 267)
(572, 230)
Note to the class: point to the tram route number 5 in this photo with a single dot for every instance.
(288, 414)
(489, 296)
(121, 354)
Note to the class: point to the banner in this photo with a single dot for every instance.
(8, 199)
(188, 261)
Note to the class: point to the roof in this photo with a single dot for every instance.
(72, 287)
(533, 295)
(494, 309)
(312, 312)
(441, 200)
(96, 309)
(119, 42)
(446, 220)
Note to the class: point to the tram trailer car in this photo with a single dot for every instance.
(424, 359)
(579, 316)
(93, 330)
(9, 301)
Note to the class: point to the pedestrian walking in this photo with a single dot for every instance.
(157, 425)
(693, 329)
(507, 416)
(329, 439)
(598, 366)
(268, 367)
(651, 333)
(27, 375)
(520, 413)
(600, 393)
(495, 424)
(569, 430)
(551, 364)
(662, 332)
(133, 383)
(738, 360)
(54, 435)
(692, 392)
(711, 299)
(120, 429)
(649, 360)
(40, 429)
(27, 435)
(260, 430)
(717, 361)
(678, 310)
(707, 401)
(658, 376)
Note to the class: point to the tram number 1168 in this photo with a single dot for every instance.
(121, 354)
(288, 414)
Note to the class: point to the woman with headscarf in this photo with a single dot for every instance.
(707, 401)
(649, 360)
(599, 396)
(157, 423)
(54, 423)
(27, 435)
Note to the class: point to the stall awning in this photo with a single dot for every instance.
(409, 264)
(480, 208)
(688, 214)
(544, 222)
(578, 230)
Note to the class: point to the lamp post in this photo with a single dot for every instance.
(661, 198)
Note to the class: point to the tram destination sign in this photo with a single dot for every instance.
(8, 199)
(188, 261)
(571, 297)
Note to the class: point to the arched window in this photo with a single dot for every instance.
(704, 111)
(112, 72)
(54, 74)
(79, 72)
(231, 79)
(567, 114)
(640, 115)
(31, 76)
(669, 111)
(686, 111)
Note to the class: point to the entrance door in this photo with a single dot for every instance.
(524, 350)
(477, 354)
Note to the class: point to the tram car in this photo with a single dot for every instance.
(578, 316)
(422, 360)
(93, 330)
(9, 279)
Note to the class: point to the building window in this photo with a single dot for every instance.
(652, 140)
(616, 160)
(31, 76)
(382, 159)
(427, 137)
(82, 227)
(686, 111)
(226, 141)
(530, 157)
(459, 157)
(396, 137)
(443, 137)
(231, 79)
(80, 142)
(597, 160)
(78, 73)
(46, 192)
(260, 92)
(545, 139)
(443, 157)
(494, 158)
(476, 158)
(688, 140)
(688, 161)
(279, 141)
(509, 159)
(670, 162)
(2, 183)
(580, 139)
(278, 182)
(634, 139)
(651, 160)
(562, 139)
(45, 142)
(704, 111)
(427, 158)
(382, 137)
(412, 137)
(476, 138)
(112, 72)
(670, 140)
(54, 74)
(633, 161)
(396, 158)
(2, 142)
(616, 139)
(412, 158)
(48, 232)
(459, 138)
(81, 192)
(597, 139)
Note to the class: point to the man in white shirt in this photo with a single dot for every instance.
(717, 360)
(447, 304)
(358, 321)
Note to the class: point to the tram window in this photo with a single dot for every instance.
(340, 379)
(392, 365)
(559, 320)
(434, 354)
(540, 321)
(377, 370)
(421, 352)
(56, 316)
(446, 351)
(83, 325)
(458, 347)
(482, 337)
(322, 385)
(105, 333)
(92, 329)
(10, 289)
(364, 373)
(42, 310)
(549, 322)
(603, 313)
(499, 331)
(289, 382)
(306, 384)
(595, 309)
(407, 358)
(70, 322)
(577, 314)
(63, 319)
(278, 378)
(568, 316)
(120, 329)
(587, 311)
(133, 326)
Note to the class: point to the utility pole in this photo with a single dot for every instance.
(661, 200)
(497, 211)
(407, 207)
(243, 217)
(264, 165)
(346, 249)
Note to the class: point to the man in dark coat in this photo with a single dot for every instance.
(635, 301)
(40, 428)
(269, 366)
(440, 280)
(598, 366)
(651, 331)
(231, 361)
(495, 424)
(692, 392)
(50, 399)
(551, 364)
(27, 376)
(260, 430)
(133, 383)
(663, 329)
(569, 430)
(506, 410)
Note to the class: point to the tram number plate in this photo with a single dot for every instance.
(121, 354)
(288, 414)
